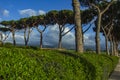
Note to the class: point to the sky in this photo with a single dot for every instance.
(16, 9)
(12, 9)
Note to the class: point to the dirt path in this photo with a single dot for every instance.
(116, 73)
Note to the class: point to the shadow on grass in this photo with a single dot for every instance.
(88, 68)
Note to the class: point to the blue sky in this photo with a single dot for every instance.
(16, 9)
(14, 6)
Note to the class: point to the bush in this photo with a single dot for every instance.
(30, 64)
(1, 43)
(103, 64)
(8, 45)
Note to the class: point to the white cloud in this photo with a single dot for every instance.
(28, 12)
(41, 12)
(5, 12)
(31, 12)
(89, 40)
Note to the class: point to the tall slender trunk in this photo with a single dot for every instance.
(26, 36)
(41, 38)
(117, 48)
(97, 36)
(60, 42)
(13, 36)
(60, 37)
(106, 44)
(78, 26)
(114, 48)
(111, 45)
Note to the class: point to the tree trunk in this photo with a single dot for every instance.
(114, 48)
(111, 45)
(78, 26)
(26, 44)
(60, 42)
(97, 36)
(60, 37)
(41, 38)
(25, 37)
(13, 35)
(106, 44)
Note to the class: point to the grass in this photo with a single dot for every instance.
(34, 64)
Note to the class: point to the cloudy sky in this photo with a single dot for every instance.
(16, 9)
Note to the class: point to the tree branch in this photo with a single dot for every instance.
(40, 31)
(87, 28)
(68, 31)
(109, 30)
(63, 29)
(95, 6)
(107, 7)
(6, 37)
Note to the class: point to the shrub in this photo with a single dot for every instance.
(8, 45)
(103, 64)
(30, 64)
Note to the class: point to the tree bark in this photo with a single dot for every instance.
(115, 48)
(60, 37)
(25, 37)
(97, 36)
(111, 45)
(60, 42)
(41, 38)
(78, 26)
(13, 35)
(106, 44)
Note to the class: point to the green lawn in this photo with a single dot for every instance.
(31, 64)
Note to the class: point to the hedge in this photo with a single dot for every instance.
(31, 64)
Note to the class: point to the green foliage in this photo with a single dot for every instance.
(29, 64)
(1, 43)
(103, 64)
(89, 49)
(8, 45)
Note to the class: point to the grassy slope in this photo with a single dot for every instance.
(29, 64)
